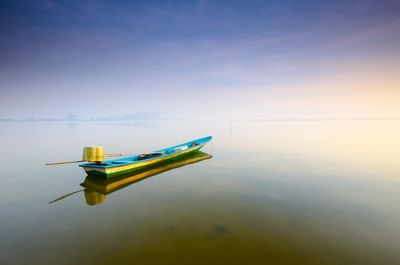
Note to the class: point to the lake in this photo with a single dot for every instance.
(272, 192)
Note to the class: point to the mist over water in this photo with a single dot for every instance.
(304, 192)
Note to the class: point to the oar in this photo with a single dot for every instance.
(65, 162)
(79, 161)
(65, 196)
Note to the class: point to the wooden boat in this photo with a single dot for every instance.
(97, 189)
(121, 166)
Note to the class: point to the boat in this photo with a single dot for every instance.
(117, 167)
(97, 189)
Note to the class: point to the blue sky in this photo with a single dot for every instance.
(199, 59)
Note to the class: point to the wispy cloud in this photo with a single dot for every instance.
(384, 30)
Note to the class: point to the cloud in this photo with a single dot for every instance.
(373, 33)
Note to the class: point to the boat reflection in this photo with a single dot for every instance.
(97, 189)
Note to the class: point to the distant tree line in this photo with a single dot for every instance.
(138, 116)
(6, 120)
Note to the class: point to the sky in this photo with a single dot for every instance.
(200, 59)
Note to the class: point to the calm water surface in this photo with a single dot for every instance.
(311, 192)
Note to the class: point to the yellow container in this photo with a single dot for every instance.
(93, 154)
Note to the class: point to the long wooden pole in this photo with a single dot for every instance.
(65, 196)
(65, 162)
(79, 161)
